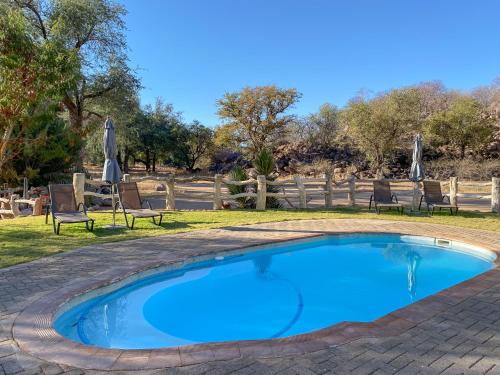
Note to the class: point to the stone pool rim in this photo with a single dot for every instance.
(33, 329)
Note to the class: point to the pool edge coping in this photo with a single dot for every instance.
(34, 333)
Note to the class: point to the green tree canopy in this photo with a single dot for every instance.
(255, 117)
(193, 142)
(33, 77)
(466, 124)
(381, 125)
(93, 30)
(319, 129)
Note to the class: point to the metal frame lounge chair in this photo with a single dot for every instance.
(434, 198)
(64, 209)
(131, 203)
(382, 197)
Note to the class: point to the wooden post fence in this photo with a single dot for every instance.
(14, 206)
(328, 190)
(261, 193)
(495, 195)
(25, 188)
(453, 191)
(170, 187)
(218, 192)
(11, 204)
(38, 207)
(351, 195)
(302, 191)
(79, 186)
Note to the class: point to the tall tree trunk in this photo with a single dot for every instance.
(148, 160)
(154, 161)
(462, 152)
(119, 159)
(126, 158)
(76, 121)
(4, 144)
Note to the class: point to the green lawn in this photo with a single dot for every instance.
(28, 238)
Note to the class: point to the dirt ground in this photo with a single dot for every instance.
(477, 201)
(471, 198)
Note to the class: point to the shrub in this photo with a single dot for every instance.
(264, 165)
(466, 169)
(239, 174)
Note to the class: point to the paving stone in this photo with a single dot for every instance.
(461, 338)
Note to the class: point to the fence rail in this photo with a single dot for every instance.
(303, 191)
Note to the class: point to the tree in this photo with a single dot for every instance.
(193, 142)
(33, 76)
(49, 148)
(381, 125)
(465, 124)
(254, 117)
(489, 96)
(93, 30)
(152, 134)
(321, 128)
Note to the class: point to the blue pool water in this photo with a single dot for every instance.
(283, 290)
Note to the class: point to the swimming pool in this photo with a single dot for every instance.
(273, 291)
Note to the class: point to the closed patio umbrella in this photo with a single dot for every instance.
(111, 172)
(417, 173)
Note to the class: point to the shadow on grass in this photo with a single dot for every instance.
(26, 239)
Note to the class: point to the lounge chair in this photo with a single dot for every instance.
(382, 197)
(434, 198)
(132, 204)
(64, 209)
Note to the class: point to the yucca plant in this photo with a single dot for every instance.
(264, 165)
(240, 174)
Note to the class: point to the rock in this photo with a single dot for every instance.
(161, 187)
(223, 161)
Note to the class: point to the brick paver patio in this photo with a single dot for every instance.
(456, 332)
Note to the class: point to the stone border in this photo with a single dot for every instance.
(33, 329)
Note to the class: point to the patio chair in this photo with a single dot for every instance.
(132, 204)
(64, 209)
(382, 197)
(434, 198)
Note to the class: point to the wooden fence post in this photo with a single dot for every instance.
(352, 191)
(218, 192)
(453, 190)
(14, 206)
(170, 187)
(79, 186)
(495, 195)
(126, 177)
(38, 207)
(328, 190)
(25, 188)
(302, 191)
(261, 193)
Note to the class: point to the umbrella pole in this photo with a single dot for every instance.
(415, 196)
(114, 189)
(113, 203)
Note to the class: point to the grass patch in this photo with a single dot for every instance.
(28, 238)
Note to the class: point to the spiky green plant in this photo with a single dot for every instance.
(264, 165)
(240, 174)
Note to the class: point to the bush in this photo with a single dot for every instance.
(466, 169)
(264, 166)
(239, 174)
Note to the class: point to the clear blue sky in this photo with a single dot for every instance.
(192, 51)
